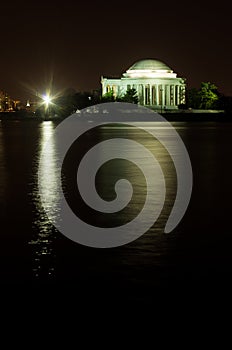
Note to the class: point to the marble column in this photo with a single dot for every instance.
(174, 95)
(178, 90)
(150, 92)
(168, 94)
(153, 92)
(163, 95)
(144, 94)
(157, 94)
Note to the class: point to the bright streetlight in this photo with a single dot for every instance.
(47, 100)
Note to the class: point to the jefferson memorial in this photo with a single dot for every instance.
(157, 86)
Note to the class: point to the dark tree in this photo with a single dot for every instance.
(208, 95)
(130, 96)
(108, 97)
(192, 98)
(225, 103)
(204, 98)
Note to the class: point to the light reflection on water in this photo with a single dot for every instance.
(43, 231)
(45, 235)
(109, 173)
(196, 255)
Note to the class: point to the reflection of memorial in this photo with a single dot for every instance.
(156, 84)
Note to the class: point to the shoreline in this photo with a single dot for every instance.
(171, 117)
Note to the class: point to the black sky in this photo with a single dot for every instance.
(74, 43)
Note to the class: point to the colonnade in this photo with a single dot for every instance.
(161, 95)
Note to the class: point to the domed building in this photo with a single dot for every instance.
(156, 84)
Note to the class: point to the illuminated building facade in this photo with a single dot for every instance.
(156, 84)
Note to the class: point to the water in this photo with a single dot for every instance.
(196, 256)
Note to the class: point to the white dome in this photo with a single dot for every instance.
(149, 68)
(152, 65)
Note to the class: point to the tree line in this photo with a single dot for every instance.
(206, 97)
(72, 101)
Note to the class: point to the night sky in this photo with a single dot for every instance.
(73, 43)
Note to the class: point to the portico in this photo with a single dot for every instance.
(156, 84)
